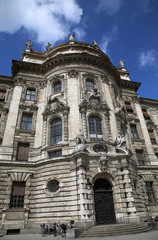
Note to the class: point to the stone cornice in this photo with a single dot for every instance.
(6, 79)
(128, 84)
(148, 101)
(86, 57)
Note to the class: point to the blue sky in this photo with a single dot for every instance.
(124, 29)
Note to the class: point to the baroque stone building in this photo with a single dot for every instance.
(76, 141)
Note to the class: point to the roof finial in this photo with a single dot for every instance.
(71, 37)
(122, 63)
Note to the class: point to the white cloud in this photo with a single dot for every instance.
(107, 38)
(147, 58)
(111, 7)
(49, 20)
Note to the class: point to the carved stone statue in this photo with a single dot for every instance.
(48, 47)
(121, 63)
(121, 114)
(28, 45)
(95, 43)
(80, 141)
(120, 144)
(120, 140)
(71, 36)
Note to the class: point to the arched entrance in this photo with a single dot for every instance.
(104, 206)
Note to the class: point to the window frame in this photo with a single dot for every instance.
(56, 137)
(90, 85)
(17, 194)
(134, 132)
(25, 123)
(56, 153)
(145, 114)
(57, 87)
(3, 96)
(95, 128)
(140, 157)
(19, 154)
(129, 108)
(152, 136)
(150, 191)
(30, 95)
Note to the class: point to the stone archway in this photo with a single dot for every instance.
(104, 206)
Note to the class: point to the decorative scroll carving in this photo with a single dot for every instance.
(20, 82)
(94, 102)
(73, 73)
(55, 105)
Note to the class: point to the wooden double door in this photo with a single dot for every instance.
(104, 206)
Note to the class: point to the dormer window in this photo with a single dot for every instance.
(30, 94)
(145, 114)
(89, 85)
(129, 107)
(57, 87)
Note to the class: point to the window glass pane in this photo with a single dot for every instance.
(57, 153)
(56, 131)
(89, 85)
(134, 131)
(150, 192)
(26, 122)
(95, 128)
(17, 195)
(57, 87)
(30, 94)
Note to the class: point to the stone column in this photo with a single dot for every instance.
(108, 99)
(65, 118)
(149, 147)
(12, 117)
(82, 190)
(39, 120)
(84, 123)
(73, 103)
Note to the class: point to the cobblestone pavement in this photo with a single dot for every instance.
(152, 235)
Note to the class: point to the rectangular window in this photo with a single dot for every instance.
(128, 107)
(2, 94)
(17, 195)
(140, 157)
(23, 151)
(57, 87)
(145, 114)
(56, 153)
(150, 192)
(152, 137)
(30, 94)
(134, 131)
(26, 122)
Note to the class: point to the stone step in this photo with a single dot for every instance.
(115, 229)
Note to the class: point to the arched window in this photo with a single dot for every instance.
(89, 85)
(55, 131)
(95, 129)
(57, 87)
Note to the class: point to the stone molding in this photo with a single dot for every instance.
(19, 175)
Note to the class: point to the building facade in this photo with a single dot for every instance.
(76, 141)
